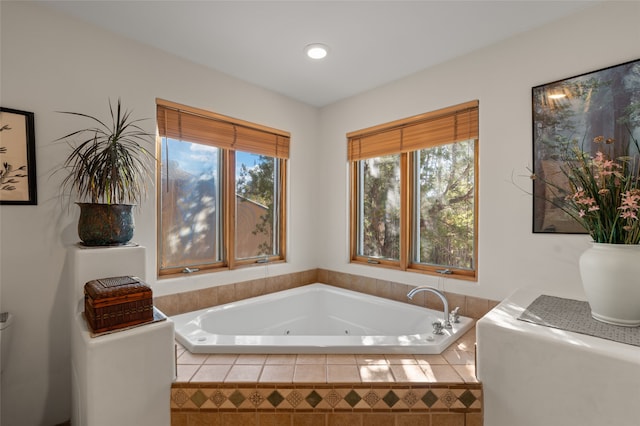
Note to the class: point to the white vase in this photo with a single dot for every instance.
(611, 279)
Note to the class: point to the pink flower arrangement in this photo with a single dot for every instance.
(603, 192)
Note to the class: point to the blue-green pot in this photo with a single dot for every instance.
(105, 224)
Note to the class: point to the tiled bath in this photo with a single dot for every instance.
(326, 390)
(290, 390)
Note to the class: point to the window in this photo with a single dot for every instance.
(221, 193)
(379, 220)
(414, 192)
(256, 206)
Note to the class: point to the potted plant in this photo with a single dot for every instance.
(108, 169)
(603, 195)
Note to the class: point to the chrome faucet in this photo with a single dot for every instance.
(416, 290)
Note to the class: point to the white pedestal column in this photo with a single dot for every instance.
(534, 375)
(123, 378)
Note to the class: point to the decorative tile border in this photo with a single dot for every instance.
(327, 398)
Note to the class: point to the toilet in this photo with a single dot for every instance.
(5, 336)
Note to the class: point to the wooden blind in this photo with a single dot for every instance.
(195, 125)
(448, 125)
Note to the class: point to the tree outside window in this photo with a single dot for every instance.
(414, 192)
(221, 191)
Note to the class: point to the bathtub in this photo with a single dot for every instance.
(316, 318)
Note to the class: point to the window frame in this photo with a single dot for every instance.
(408, 182)
(228, 192)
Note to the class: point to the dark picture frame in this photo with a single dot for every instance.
(18, 182)
(605, 103)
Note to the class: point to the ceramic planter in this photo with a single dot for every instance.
(611, 278)
(105, 224)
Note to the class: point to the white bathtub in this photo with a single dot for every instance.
(316, 318)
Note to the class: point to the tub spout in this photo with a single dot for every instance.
(446, 323)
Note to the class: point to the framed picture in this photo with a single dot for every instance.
(17, 157)
(599, 103)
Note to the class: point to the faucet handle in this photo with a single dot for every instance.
(437, 327)
(454, 316)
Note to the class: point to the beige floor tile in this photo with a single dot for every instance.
(277, 373)
(189, 358)
(371, 360)
(342, 373)
(467, 372)
(430, 359)
(457, 357)
(468, 341)
(311, 359)
(408, 373)
(441, 373)
(341, 359)
(185, 372)
(243, 373)
(226, 359)
(179, 351)
(310, 373)
(375, 373)
(211, 373)
(251, 359)
(281, 359)
(401, 359)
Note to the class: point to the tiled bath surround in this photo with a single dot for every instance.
(175, 304)
(329, 390)
(326, 390)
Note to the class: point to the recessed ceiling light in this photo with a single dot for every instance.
(316, 50)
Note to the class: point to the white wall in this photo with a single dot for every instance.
(501, 78)
(53, 63)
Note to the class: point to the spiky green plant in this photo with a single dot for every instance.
(110, 164)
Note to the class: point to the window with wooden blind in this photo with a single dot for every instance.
(221, 191)
(414, 192)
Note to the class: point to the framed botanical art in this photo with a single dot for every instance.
(578, 109)
(17, 157)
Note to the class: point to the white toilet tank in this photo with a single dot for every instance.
(6, 319)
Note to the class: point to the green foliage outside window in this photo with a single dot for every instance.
(380, 212)
(446, 194)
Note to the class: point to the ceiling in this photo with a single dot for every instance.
(371, 42)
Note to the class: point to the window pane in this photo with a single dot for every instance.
(256, 205)
(190, 203)
(445, 220)
(379, 207)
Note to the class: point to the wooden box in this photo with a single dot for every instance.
(117, 302)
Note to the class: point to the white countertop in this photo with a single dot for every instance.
(535, 375)
(506, 315)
